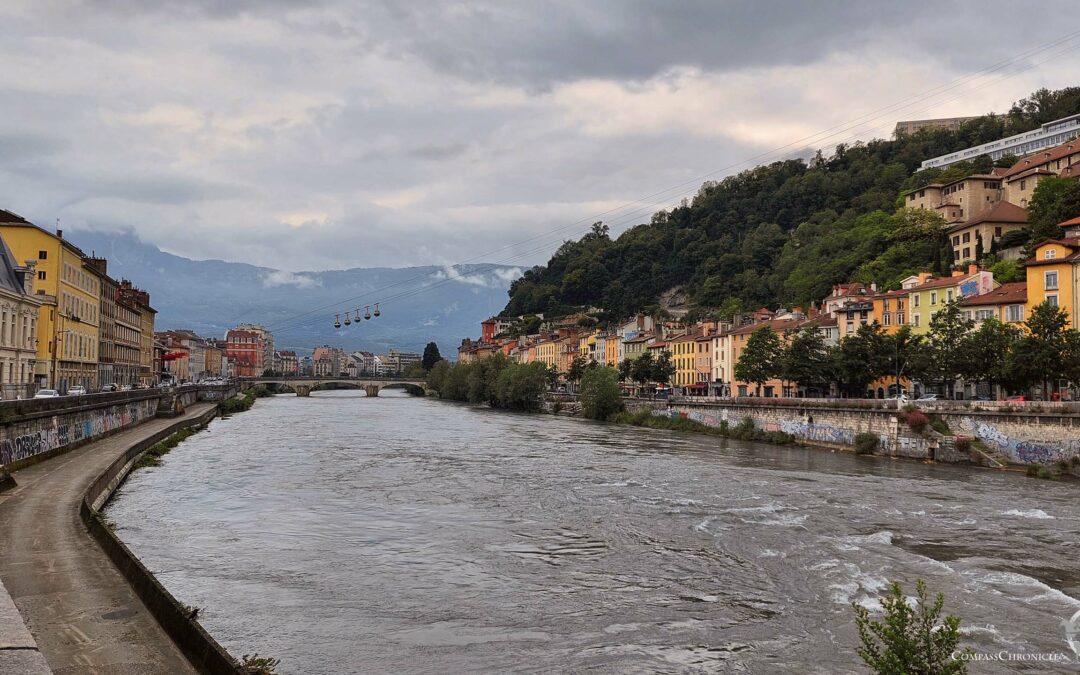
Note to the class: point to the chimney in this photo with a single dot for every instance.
(59, 233)
(925, 276)
(957, 273)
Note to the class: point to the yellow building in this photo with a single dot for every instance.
(68, 320)
(547, 352)
(933, 294)
(1053, 276)
(890, 310)
(611, 350)
(683, 355)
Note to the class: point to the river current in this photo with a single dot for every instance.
(343, 534)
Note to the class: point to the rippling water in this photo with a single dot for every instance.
(352, 535)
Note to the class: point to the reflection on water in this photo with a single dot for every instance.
(352, 535)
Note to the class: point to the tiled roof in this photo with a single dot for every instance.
(9, 217)
(942, 283)
(1002, 212)
(1063, 150)
(1071, 242)
(1006, 294)
(1070, 223)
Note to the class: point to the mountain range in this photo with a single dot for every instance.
(418, 304)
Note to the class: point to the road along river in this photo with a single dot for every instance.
(350, 535)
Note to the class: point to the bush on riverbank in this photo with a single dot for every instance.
(153, 454)
(496, 381)
(912, 637)
(866, 443)
(743, 431)
(601, 395)
(241, 403)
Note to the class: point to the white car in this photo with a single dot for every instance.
(77, 390)
(928, 397)
(47, 393)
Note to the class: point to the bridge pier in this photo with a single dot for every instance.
(372, 390)
(302, 390)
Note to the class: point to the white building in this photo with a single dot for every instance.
(1046, 136)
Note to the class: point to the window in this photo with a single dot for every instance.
(915, 319)
(43, 255)
(997, 231)
(1049, 254)
(887, 319)
(1052, 300)
(1023, 185)
(956, 240)
(1014, 313)
(956, 254)
(967, 237)
(933, 297)
(915, 301)
(948, 295)
(967, 253)
(41, 275)
(1051, 281)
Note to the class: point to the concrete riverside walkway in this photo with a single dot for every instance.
(82, 612)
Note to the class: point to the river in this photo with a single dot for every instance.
(350, 535)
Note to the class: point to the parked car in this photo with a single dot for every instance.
(77, 390)
(901, 398)
(1017, 398)
(109, 387)
(126, 387)
(928, 397)
(47, 393)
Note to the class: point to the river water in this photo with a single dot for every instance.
(350, 535)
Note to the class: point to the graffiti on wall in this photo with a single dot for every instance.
(59, 435)
(1020, 449)
(805, 430)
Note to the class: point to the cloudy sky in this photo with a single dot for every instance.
(343, 133)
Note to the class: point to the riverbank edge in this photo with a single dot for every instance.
(200, 648)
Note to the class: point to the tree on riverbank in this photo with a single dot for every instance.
(496, 381)
(760, 360)
(431, 356)
(911, 638)
(601, 396)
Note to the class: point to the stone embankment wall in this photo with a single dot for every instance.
(1021, 436)
(36, 429)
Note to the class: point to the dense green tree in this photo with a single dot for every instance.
(860, 359)
(906, 354)
(948, 330)
(431, 356)
(521, 386)
(1054, 201)
(1007, 271)
(601, 396)
(663, 368)
(760, 360)
(1040, 353)
(984, 353)
(626, 370)
(642, 370)
(805, 359)
(436, 378)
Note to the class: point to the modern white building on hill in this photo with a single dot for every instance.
(1046, 136)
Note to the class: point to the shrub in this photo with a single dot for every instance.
(1037, 470)
(866, 443)
(1062, 465)
(939, 425)
(601, 395)
(911, 639)
(917, 421)
(253, 664)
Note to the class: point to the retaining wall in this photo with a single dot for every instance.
(37, 429)
(1022, 437)
(200, 647)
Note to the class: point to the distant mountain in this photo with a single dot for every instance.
(210, 296)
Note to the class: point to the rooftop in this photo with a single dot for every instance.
(1006, 294)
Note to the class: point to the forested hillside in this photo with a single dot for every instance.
(778, 234)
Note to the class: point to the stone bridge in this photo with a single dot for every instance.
(303, 386)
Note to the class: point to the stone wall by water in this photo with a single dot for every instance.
(43, 433)
(1022, 437)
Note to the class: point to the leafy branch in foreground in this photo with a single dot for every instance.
(910, 640)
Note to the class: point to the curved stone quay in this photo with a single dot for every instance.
(80, 609)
